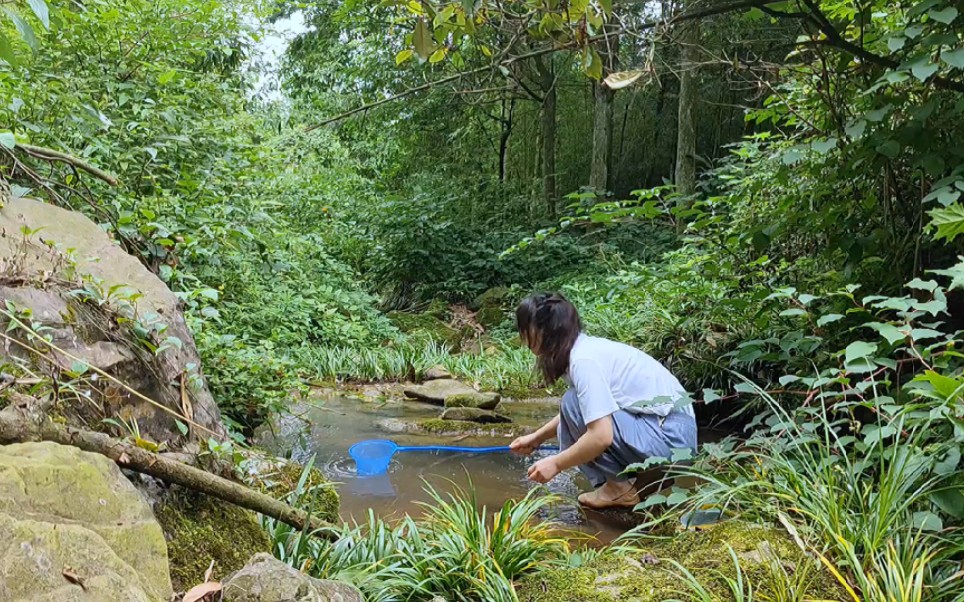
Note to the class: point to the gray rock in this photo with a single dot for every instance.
(266, 579)
(436, 373)
(439, 390)
(63, 509)
(474, 415)
(475, 399)
(85, 330)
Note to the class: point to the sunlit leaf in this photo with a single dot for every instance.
(39, 8)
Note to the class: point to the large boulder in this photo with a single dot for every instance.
(69, 517)
(266, 579)
(440, 390)
(102, 308)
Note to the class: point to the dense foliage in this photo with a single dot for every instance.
(806, 285)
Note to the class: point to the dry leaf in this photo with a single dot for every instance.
(207, 573)
(73, 577)
(123, 458)
(622, 79)
(187, 408)
(201, 592)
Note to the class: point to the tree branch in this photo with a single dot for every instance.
(724, 8)
(49, 154)
(24, 420)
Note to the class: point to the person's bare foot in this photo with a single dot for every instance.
(613, 494)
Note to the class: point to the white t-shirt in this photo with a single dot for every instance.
(608, 376)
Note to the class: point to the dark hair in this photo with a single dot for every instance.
(555, 323)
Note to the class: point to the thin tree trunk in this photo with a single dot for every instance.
(686, 129)
(547, 80)
(506, 131)
(602, 130)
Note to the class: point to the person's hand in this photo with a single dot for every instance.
(524, 445)
(544, 470)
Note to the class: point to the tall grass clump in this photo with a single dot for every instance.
(867, 506)
(500, 367)
(456, 550)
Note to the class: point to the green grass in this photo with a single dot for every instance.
(456, 551)
(863, 506)
(500, 367)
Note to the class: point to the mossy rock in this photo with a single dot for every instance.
(490, 317)
(438, 426)
(200, 529)
(279, 479)
(425, 324)
(472, 399)
(476, 415)
(648, 576)
(499, 297)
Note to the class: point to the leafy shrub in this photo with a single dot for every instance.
(456, 550)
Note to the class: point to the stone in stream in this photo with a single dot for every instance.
(474, 415)
(436, 373)
(266, 579)
(439, 390)
(475, 399)
(68, 515)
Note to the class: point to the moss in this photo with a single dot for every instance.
(412, 323)
(320, 497)
(647, 576)
(490, 317)
(563, 585)
(200, 529)
(455, 427)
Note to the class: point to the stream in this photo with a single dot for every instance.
(330, 423)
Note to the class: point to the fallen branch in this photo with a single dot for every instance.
(49, 154)
(25, 420)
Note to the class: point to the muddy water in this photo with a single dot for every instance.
(328, 426)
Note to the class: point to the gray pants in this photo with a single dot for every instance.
(636, 437)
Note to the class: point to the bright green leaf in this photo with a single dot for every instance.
(24, 28)
(828, 318)
(39, 8)
(859, 349)
(403, 56)
(948, 221)
(8, 140)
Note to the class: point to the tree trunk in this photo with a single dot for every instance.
(506, 131)
(547, 81)
(686, 128)
(602, 124)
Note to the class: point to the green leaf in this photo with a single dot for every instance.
(859, 349)
(824, 146)
(889, 149)
(709, 395)
(181, 427)
(923, 285)
(896, 43)
(948, 221)
(24, 28)
(437, 56)
(8, 140)
(403, 56)
(890, 332)
(422, 39)
(954, 58)
(948, 465)
(955, 273)
(39, 8)
(796, 311)
(593, 65)
(945, 16)
(925, 520)
(828, 318)
(681, 455)
(209, 293)
(78, 367)
(469, 7)
(950, 501)
(874, 434)
(923, 68)
(807, 299)
(6, 49)
(856, 129)
(166, 77)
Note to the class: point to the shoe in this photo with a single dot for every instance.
(594, 500)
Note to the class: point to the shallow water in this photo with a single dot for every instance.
(328, 426)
